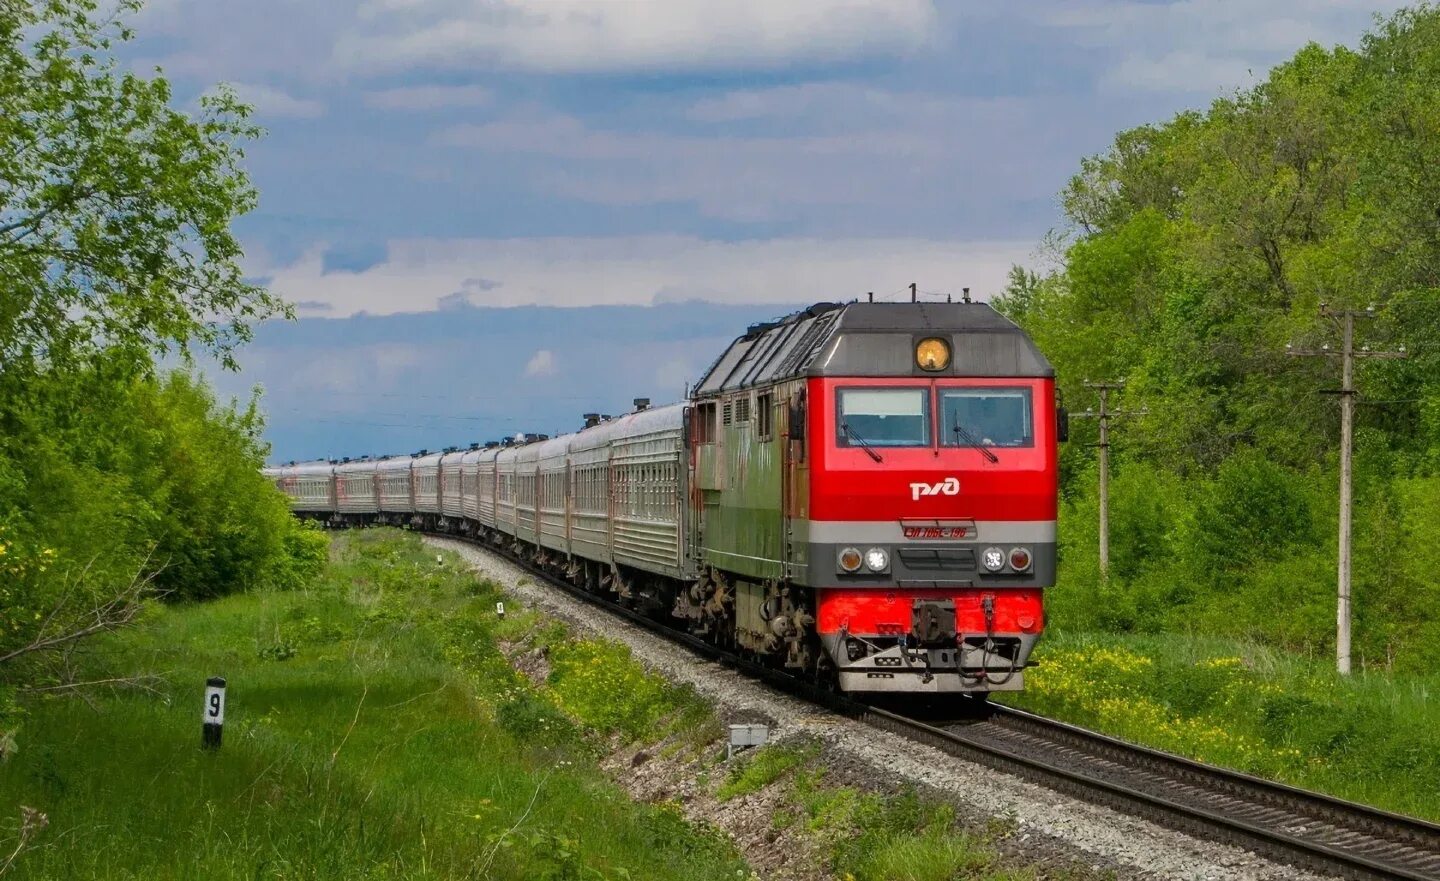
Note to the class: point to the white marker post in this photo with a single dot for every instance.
(500, 610)
(213, 716)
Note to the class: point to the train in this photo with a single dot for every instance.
(863, 494)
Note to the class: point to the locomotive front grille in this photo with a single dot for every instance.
(937, 559)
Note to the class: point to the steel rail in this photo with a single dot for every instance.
(1265, 817)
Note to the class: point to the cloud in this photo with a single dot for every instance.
(809, 102)
(422, 98)
(1199, 46)
(568, 36)
(465, 297)
(861, 154)
(542, 363)
(273, 102)
(424, 274)
(1184, 71)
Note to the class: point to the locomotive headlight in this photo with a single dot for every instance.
(1020, 559)
(993, 559)
(876, 560)
(850, 559)
(932, 353)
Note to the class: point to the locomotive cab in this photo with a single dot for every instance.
(932, 528)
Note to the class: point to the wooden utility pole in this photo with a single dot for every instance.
(1104, 414)
(1347, 354)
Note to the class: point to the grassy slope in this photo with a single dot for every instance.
(374, 730)
(871, 835)
(1370, 738)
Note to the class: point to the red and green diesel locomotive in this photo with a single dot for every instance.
(862, 493)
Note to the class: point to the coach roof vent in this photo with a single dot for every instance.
(642, 404)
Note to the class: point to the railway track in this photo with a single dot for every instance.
(1306, 829)
(1293, 825)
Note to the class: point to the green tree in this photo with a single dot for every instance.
(1198, 248)
(115, 208)
(116, 250)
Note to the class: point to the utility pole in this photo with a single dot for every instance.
(1105, 414)
(1347, 354)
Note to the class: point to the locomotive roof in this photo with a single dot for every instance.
(873, 339)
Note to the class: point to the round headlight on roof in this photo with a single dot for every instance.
(993, 559)
(850, 559)
(932, 353)
(876, 560)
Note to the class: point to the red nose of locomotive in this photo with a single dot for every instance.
(932, 528)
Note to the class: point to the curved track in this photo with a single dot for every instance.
(1292, 825)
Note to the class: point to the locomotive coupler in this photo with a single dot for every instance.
(933, 622)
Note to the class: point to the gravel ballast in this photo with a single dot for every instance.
(1049, 826)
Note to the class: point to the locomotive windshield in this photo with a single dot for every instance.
(883, 417)
(993, 417)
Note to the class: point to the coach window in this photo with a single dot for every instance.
(882, 417)
(764, 415)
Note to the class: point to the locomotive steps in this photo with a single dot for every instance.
(1039, 821)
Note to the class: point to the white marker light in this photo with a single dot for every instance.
(993, 559)
(876, 559)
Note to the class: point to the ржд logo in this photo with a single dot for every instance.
(950, 486)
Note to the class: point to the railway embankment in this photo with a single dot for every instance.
(825, 782)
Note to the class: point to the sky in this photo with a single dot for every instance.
(495, 215)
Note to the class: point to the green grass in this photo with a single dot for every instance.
(374, 730)
(900, 836)
(763, 767)
(1369, 737)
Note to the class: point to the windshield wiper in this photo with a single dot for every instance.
(971, 440)
(850, 433)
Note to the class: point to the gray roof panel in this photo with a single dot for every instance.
(874, 340)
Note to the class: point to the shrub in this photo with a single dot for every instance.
(110, 477)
